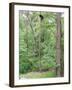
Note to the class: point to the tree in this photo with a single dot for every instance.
(58, 44)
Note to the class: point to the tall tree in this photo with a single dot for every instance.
(62, 47)
(33, 33)
(26, 24)
(58, 43)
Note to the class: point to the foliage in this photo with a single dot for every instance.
(37, 41)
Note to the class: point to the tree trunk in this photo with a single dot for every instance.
(39, 51)
(40, 39)
(26, 23)
(58, 44)
(35, 50)
(62, 51)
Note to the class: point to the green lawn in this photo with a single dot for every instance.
(47, 74)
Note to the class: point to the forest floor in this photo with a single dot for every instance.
(46, 74)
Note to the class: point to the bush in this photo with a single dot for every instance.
(24, 67)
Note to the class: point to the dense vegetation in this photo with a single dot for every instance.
(41, 44)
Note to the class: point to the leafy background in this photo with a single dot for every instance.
(37, 44)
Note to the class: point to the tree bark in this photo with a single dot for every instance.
(62, 51)
(35, 48)
(58, 44)
(39, 50)
(40, 31)
(26, 23)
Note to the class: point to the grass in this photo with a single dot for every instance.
(46, 74)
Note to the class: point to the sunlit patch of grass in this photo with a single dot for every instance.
(47, 74)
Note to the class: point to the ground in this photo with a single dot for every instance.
(38, 75)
